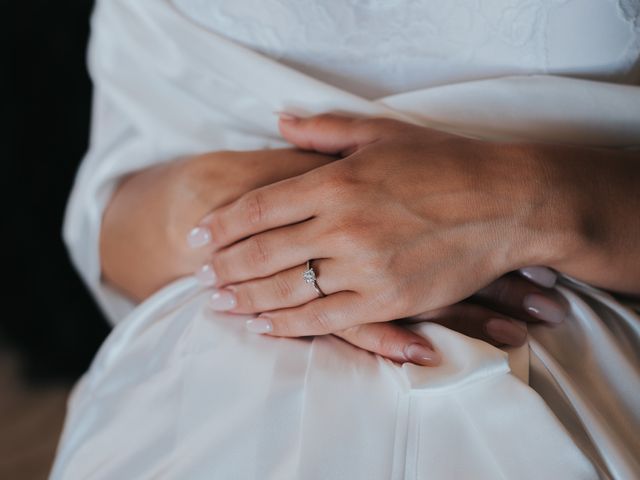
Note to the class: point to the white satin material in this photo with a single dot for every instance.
(177, 391)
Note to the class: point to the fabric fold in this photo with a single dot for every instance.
(179, 392)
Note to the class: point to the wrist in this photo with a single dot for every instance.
(137, 253)
(589, 227)
(555, 215)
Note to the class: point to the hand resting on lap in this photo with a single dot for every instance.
(142, 244)
(142, 238)
(413, 220)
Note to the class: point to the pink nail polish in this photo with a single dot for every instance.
(422, 355)
(543, 276)
(506, 332)
(206, 276)
(544, 308)
(259, 325)
(199, 237)
(222, 300)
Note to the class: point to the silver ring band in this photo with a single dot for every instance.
(310, 277)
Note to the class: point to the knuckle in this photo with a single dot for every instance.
(258, 252)
(375, 264)
(403, 301)
(245, 299)
(282, 288)
(351, 235)
(340, 183)
(320, 321)
(218, 227)
(351, 334)
(284, 326)
(254, 208)
(333, 186)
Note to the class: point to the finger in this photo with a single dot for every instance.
(335, 134)
(285, 289)
(266, 254)
(392, 341)
(321, 316)
(259, 210)
(479, 322)
(522, 299)
(543, 276)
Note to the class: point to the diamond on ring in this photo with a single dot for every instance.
(310, 277)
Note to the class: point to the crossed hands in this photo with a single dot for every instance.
(408, 224)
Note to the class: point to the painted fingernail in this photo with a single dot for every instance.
(506, 332)
(222, 300)
(543, 276)
(199, 237)
(421, 354)
(206, 276)
(259, 325)
(544, 308)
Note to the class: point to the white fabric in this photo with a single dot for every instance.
(381, 47)
(179, 392)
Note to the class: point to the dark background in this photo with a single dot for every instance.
(48, 315)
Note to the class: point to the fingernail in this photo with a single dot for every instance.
(544, 308)
(507, 332)
(259, 325)
(199, 237)
(287, 117)
(543, 276)
(422, 355)
(206, 276)
(222, 300)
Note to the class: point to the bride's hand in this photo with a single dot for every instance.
(142, 244)
(412, 220)
(497, 314)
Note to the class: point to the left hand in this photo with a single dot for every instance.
(496, 314)
(411, 220)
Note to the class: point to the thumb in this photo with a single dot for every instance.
(330, 133)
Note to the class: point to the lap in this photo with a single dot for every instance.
(181, 390)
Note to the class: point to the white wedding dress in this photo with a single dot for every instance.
(180, 392)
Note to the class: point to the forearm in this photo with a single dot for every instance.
(143, 237)
(137, 254)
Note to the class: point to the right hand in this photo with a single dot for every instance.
(143, 246)
(142, 239)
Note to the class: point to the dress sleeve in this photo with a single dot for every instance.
(162, 91)
(119, 144)
(113, 140)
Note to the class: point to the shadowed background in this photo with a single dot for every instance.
(49, 327)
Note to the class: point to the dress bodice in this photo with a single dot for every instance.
(380, 47)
